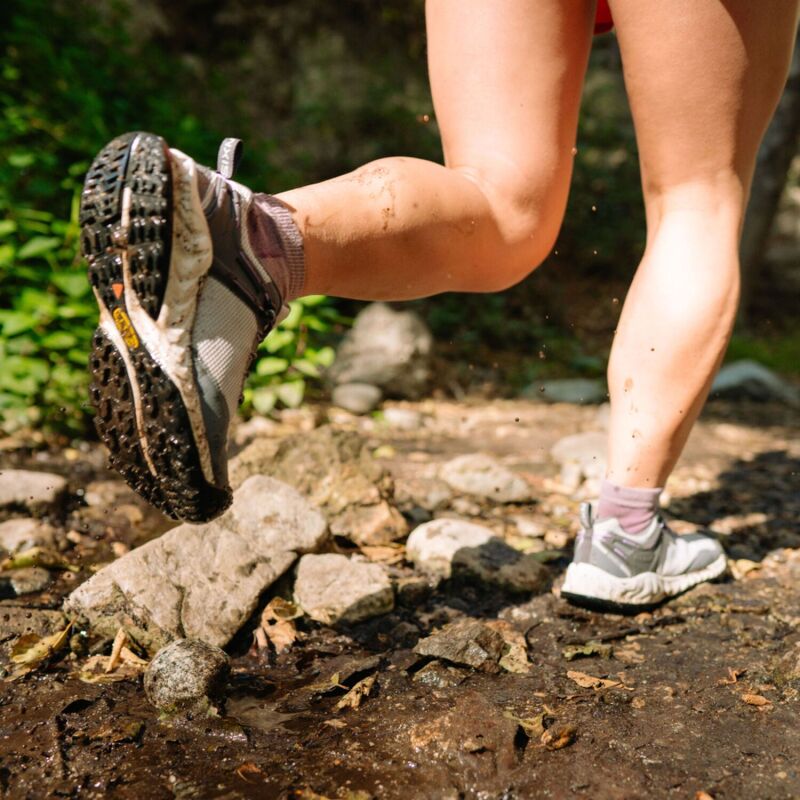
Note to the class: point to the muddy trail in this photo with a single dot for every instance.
(698, 698)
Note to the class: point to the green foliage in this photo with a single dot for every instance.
(291, 355)
(46, 320)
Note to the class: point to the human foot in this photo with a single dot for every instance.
(184, 303)
(615, 570)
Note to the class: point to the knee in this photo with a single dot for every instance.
(528, 208)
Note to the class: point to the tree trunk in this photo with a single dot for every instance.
(774, 158)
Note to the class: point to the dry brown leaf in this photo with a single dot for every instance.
(116, 649)
(335, 723)
(703, 796)
(573, 651)
(361, 690)
(276, 623)
(733, 677)
(251, 773)
(32, 651)
(558, 736)
(384, 553)
(756, 700)
(630, 653)
(590, 681)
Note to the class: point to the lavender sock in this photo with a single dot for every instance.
(634, 509)
(278, 244)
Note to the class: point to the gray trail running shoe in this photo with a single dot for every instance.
(183, 305)
(612, 569)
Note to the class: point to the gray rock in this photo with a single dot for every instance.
(27, 580)
(187, 674)
(579, 391)
(439, 676)
(22, 534)
(466, 642)
(482, 476)
(582, 456)
(203, 581)
(357, 398)
(455, 548)
(332, 588)
(429, 494)
(403, 419)
(753, 381)
(385, 348)
(35, 491)
(337, 472)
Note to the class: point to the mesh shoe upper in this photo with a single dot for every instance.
(657, 549)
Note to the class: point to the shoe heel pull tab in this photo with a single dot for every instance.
(587, 519)
(229, 156)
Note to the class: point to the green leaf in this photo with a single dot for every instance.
(291, 394)
(7, 227)
(271, 366)
(37, 246)
(264, 399)
(293, 317)
(15, 322)
(306, 367)
(277, 340)
(58, 340)
(73, 284)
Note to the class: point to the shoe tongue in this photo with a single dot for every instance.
(228, 157)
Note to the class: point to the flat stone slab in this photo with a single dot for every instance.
(466, 642)
(29, 489)
(203, 581)
(332, 588)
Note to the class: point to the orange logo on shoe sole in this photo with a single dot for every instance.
(125, 327)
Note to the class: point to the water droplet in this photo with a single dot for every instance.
(594, 208)
(615, 300)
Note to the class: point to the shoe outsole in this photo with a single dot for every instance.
(140, 415)
(603, 592)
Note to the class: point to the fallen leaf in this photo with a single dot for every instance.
(32, 651)
(127, 667)
(703, 796)
(38, 557)
(277, 625)
(113, 732)
(335, 723)
(559, 736)
(741, 567)
(361, 690)
(756, 700)
(533, 726)
(590, 681)
(249, 770)
(573, 651)
(629, 653)
(384, 554)
(733, 677)
(116, 649)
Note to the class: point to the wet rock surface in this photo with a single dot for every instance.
(187, 674)
(467, 643)
(26, 580)
(605, 707)
(203, 581)
(332, 588)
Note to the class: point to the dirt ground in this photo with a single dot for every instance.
(698, 699)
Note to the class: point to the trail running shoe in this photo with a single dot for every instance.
(614, 570)
(183, 305)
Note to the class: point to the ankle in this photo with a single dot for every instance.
(633, 508)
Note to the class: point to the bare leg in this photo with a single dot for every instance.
(703, 78)
(506, 77)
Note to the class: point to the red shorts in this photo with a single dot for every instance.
(603, 22)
